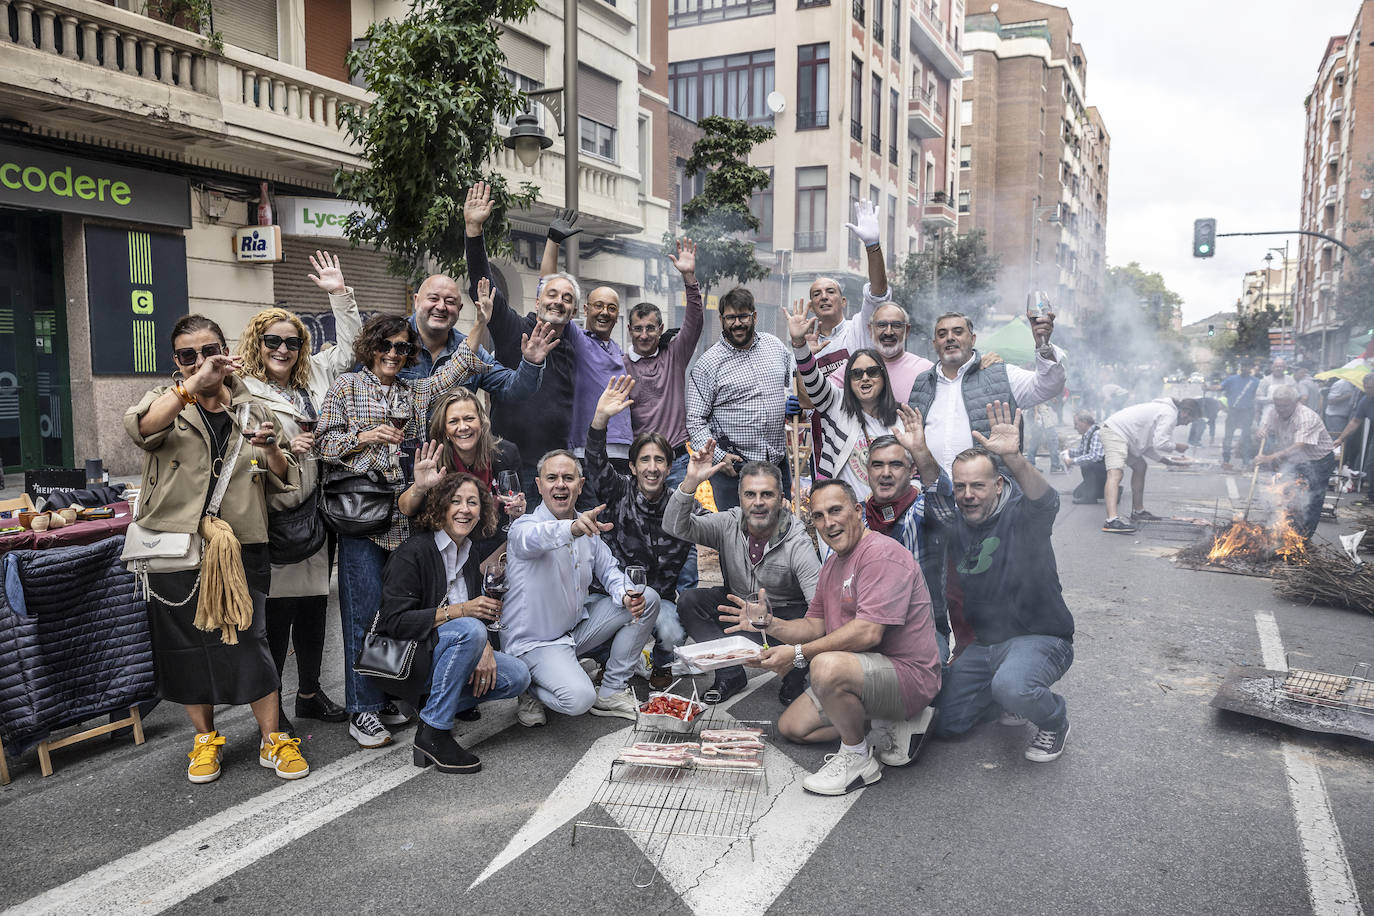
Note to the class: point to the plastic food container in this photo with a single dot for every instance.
(693, 654)
(667, 723)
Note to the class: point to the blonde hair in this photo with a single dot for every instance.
(438, 430)
(250, 346)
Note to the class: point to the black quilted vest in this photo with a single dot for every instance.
(980, 388)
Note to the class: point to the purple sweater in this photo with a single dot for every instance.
(596, 364)
(661, 379)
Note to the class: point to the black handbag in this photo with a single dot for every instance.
(384, 656)
(297, 533)
(354, 504)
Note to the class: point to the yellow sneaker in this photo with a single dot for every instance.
(205, 757)
(279, 752)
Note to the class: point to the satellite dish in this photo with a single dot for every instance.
(994, 7)
(775, 102)
(1366, 194)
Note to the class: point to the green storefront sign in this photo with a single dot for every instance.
(45, 180)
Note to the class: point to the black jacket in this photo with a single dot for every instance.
(414, 583)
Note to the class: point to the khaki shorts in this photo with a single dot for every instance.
(1114, 448)
(882, 693)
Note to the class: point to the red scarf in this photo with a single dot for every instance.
(483, 475)
(880, 517)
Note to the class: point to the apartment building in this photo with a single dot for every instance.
(1338, 149)
(870, 95)
(1035, 156)
(134, 159)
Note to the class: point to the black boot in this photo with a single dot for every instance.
(436, 746)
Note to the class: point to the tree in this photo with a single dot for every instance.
(718, 218)
(431, 130)
(1355, 296)
(1136, 326)
(1251, 338)
(965, 272)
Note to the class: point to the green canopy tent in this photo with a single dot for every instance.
(1013, 342)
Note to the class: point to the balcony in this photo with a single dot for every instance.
(1336, 110)
(128, 81)
(813, 120)
(1327, 280)
(608, 199)
(924, 115)
(930, 39)
(809, 241)
(939, 212)
(1328, 195)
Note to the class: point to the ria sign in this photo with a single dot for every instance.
(258, 244)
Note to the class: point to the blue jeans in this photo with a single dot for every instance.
(1015, 674)
(460, 647)
(360, 597)
(688, 577)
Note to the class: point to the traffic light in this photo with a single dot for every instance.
(1211, 330)
(1204, 238)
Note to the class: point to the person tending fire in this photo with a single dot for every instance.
(1298, 446)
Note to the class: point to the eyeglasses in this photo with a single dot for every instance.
(274, 341)
(403, 347)
(888, 325)
(737, 319)
(188, 356)
(859, 372)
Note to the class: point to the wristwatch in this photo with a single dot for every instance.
(798, 660)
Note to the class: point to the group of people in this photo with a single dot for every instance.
(553, 533)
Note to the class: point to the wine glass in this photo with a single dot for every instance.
(398, 415)
(636, 578)
(507, 486)
(759, 612)
(307, 420)
(494, 586)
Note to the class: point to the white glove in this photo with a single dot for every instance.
(865, 224)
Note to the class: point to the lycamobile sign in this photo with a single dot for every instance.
(318, 216)
(44, 180)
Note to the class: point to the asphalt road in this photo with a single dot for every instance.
(1159, 805)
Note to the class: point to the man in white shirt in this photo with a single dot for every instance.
(1129, 437)
(552, 555)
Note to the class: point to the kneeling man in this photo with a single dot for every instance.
(549, 620)
(869, 640)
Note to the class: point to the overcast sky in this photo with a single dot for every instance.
(1203, 102)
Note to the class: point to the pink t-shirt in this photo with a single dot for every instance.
(880, 581)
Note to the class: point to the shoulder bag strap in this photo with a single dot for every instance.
(228, 468)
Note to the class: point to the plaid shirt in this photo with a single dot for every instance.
(741, 395)
(356, 402)
(1089, 448)
(1304, 427)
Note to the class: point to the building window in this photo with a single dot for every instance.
(968, 66)
(596, 138)
(855, 189)
(856, 100)
(811, 215)
(875, 142)
(807, 4)
(964, 201)
(966, 111)
(966, 157)
(894, 101)
(891, 232)
(646, 157)
(857, 6)
(686, 188)
(524, 84)
(813, 86)
(896, 29)
(695, 12)
(736, 86)
(761, 205)
(878, 22)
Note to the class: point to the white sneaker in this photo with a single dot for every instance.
(530, 712)
(623, 704)
(844, 772)
(368, 730)
(898, 743)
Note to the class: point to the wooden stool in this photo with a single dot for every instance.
(45, 748)
(4, 767)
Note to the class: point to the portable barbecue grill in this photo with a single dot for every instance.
(1318, 702)
(1330, 690)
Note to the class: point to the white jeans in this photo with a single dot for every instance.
(558, 681)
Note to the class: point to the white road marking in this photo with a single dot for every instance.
(709, 875)
(1330, 883)
(164, 873)
(1231, 489)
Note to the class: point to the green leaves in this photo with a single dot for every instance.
(431, 131)
(962, 268)
(718, 217)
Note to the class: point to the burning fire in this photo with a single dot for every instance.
(1255, 542)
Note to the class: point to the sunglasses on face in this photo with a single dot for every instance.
(274, 341)
(188, 356)
(866, 372)
(403, 347)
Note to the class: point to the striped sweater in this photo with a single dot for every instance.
(840, 433)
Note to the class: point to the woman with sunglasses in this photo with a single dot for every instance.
(280, 371)
(852, 418)
(356, 429)
(205, 426)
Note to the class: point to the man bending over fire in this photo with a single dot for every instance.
(1298, 447)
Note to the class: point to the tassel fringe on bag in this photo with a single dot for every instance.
(225, 604)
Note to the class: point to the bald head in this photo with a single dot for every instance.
(828, 302)
(603, 310)
(437, 304)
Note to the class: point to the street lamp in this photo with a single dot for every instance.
(1036, 212)
(527, 139)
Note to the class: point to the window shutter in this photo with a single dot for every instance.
(596, 96)
(364, 270)
(249, 24)
(523, 55)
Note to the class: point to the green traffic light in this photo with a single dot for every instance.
(1204, 248)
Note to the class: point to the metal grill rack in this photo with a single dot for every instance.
(1330, 690)
(658, 803)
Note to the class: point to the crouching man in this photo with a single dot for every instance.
(999, 536)
(869, 641)
(549, 620)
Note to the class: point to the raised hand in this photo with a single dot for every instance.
(613, 400)
(212, 373)
(327, 275)
(484, 302)
(536, 345)
(1042, 328)
(477, 208)
(427, 470)
(865, 224)
(912, 434)
(703, 466)
(564, 226)
(800, 322)
(686, 259)
(1005, 439)
(587, 526)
